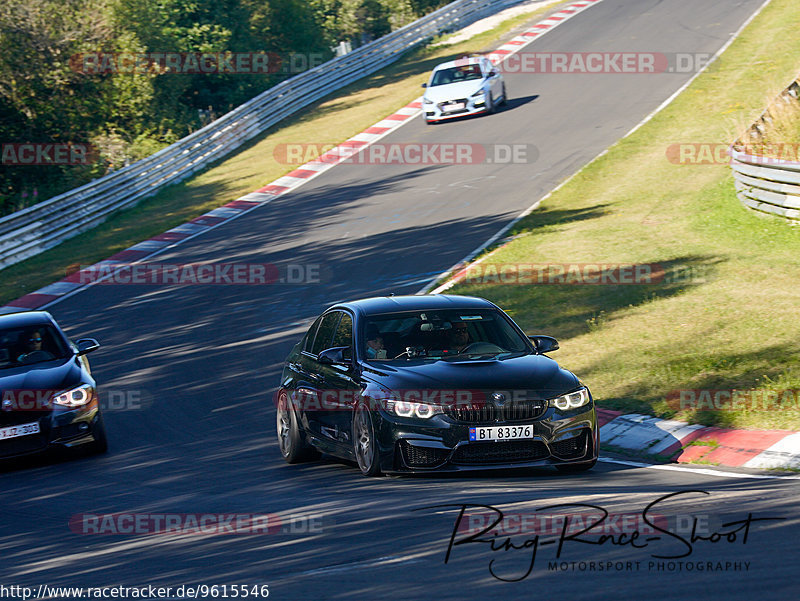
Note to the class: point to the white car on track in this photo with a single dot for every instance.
(465, 86)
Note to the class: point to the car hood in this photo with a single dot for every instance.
(53, 375)
(534, 373)
(450, 91)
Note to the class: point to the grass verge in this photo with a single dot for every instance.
(341, 115)
(726, 315)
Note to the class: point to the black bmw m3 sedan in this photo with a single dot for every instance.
(436, 382)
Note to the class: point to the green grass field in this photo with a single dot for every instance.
(727, 316)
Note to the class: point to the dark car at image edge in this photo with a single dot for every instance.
(406, 384)
(49, 400)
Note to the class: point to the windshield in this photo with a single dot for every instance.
(30, 344)
(456, 75)
(441, 334)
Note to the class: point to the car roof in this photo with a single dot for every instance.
(460, 62)
(426, 302)
(25, 318)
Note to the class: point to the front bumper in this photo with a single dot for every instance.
(58, 429)
(568, 437)
(440, 111)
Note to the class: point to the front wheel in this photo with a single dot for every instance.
(505, 96)
(290, 440)
(364, 442)
(100, 444)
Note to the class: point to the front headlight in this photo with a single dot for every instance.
(426, 101)
(410, 409)
(77, 397)
(478, 93)
(573, 400)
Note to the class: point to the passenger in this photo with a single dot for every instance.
(375, 349)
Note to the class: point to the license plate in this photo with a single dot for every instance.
(21, 430)
(454, 106)
(500, 433)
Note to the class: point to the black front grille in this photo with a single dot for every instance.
(415, 456)
(500, 452)
(478, 413)
(519, 411)
(488, 412)
(571, 448)
(23, 444)
(442, 106)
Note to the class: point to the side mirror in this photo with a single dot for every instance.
(544, 344)
(338, 355)
(87, 345)
(492, 73)
(424, 85)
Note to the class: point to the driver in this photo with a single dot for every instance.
(34, 350)
(458, 337)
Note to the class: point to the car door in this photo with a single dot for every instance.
(341, 384)
(311, 390)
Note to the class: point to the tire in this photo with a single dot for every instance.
(100, 444)
(505, 96)
(364, 441)
(290, 440)
(575, 468)
(491, 107)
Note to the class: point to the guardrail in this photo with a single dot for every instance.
(763, 183)
(42, 226)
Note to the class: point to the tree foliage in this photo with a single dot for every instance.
(46, 97)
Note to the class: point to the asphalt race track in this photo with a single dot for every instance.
(189, 372)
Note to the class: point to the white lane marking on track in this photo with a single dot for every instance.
(697, 470)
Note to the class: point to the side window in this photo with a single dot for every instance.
(325, 332)
(309, 338)
(344, 333)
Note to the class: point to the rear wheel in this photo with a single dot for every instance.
(290, 441)
(364, 441)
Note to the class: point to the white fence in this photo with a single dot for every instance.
(763, 183)
(47, 224)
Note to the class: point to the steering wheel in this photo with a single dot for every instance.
(35, 357)
(482, 347)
